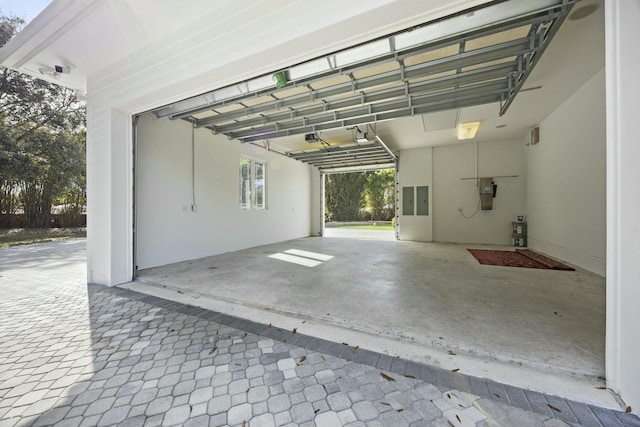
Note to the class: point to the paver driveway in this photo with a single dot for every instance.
(73, 354)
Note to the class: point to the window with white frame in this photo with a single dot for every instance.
(253, 184)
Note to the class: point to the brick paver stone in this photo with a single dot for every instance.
(74, 355)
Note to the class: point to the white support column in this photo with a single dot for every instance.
(622, 30)
(109, 194)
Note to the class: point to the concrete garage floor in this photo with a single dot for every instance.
(433, 302)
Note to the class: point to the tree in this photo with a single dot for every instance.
(42, 140)
(344, 195)
(379, 194)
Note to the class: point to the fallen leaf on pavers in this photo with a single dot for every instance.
(238, 364)
(554, 408)
(555, 312)
(213, 350)
(355, 349)
(450, 423)
(344, 343)
(385, 403)
(451, 353)
(387, 377)
(316, 411)
(399, 410)
(180, 292)
(294, 330)
(455, 370)
(322, 357)
(304, 321)
(601, 388)
(109, 347)
(458, 418)
(628, 410)
(497, 395)
(409, 376)
(303, 358)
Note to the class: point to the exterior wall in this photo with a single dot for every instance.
(566, 194)
(169, 231)
(452, 162)
(623, 200)
(109, 182)
(415, 170)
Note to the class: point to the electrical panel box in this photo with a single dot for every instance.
(407, 201)
(422, 200)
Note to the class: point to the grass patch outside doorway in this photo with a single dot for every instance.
(28, 236)
(378, 225)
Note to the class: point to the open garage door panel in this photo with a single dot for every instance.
(478, 57)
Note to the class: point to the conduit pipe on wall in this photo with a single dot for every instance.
(475, 165)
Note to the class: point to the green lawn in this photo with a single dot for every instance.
(365, 226)
(17, 237)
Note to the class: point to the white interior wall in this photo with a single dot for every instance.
(623, 200)
(414, 171)
(168, 231)
(316, 203)
(453, 162)
(566, 191)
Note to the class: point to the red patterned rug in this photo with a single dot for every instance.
(525, 258)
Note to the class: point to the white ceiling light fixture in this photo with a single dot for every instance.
(468, 130)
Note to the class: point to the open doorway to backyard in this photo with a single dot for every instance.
(360, 205)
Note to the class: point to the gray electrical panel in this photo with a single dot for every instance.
(422, 200)
(407, 201)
